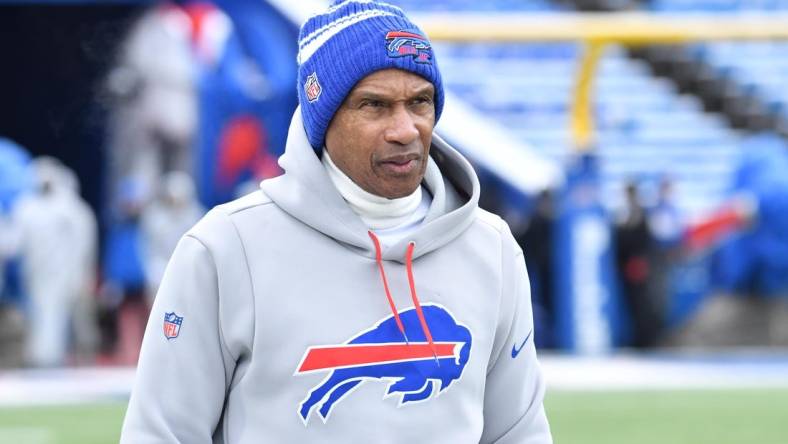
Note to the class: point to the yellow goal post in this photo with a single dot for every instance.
(597, 30)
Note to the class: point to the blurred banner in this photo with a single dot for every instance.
(587, 307)
(14, 181)
(246, 94)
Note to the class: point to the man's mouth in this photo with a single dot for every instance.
(400, 164)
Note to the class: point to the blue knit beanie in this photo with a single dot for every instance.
(349, 41)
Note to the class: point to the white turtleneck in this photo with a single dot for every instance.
(390, 219)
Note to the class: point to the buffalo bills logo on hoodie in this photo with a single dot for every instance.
(411, 367)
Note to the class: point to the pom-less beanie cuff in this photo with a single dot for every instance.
(348, 42)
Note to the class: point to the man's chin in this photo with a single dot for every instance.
(396, 191)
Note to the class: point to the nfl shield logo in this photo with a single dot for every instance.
(312, 87)
(172, 325)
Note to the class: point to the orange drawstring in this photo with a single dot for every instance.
(419, 312)
(424, 327)
(379, 260)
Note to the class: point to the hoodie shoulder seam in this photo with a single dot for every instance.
(503, 295)
(493, 221)
(222, 338)
(255, 199)
(222, 210)
(246, 263)
(248, 207)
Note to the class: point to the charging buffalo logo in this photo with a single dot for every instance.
(411, 369)
(409, 43)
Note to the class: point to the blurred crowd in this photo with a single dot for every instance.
(65, 302)
(77, 282)
(647, 239)
(718, 279)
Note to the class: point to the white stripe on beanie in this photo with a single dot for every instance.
(311, 43)
(312, 34)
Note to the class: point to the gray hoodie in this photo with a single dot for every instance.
(280, 319)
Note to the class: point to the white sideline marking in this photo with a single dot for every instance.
(64, 386)
(619, 372)
(665, 372)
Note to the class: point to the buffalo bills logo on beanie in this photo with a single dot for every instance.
(349, 41)
(409, 43)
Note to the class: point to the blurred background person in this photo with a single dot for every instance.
(536, 240)
(57, 239)
(153, 112)
(123, 300)
(12, 322)
(633, 249)
(666, 226)
(84, 325)
(14, 180)
(164, 221)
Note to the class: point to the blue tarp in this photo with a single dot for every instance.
(14, 180)
(756, 260)
(14, 172)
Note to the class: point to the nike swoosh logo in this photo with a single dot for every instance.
(516, 350)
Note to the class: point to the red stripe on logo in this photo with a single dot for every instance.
(322, 358)
(395, 34)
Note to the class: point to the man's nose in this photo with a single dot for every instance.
(402, 126)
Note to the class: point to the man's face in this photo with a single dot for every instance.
(381, 135)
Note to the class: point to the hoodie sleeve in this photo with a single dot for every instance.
(183, 377)
(513, 408)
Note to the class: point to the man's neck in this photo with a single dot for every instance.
(378, 213)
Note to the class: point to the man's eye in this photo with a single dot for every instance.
(372, 103)
(422, 100)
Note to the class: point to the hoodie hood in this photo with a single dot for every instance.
(306, 193)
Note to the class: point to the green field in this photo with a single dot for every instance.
(651, 417)
(80, 424)
(670, 417)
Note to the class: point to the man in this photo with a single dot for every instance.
(634, 248)
(537, 241)
(57, 238)
(362, 296)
